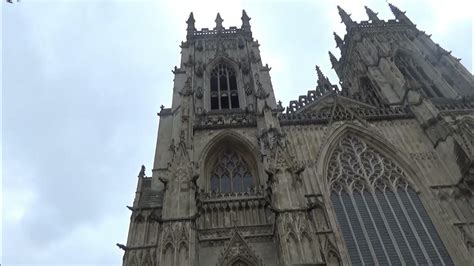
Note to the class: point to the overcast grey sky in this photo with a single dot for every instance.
(82, 82)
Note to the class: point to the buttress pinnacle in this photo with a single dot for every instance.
(346, 18)
(339, 41)
(371, 14)
(322, 80)
(245, 21)
(219, 21)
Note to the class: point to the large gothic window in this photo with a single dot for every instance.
(224, 88)
(414, 73)
(231, 173)
(381, 217)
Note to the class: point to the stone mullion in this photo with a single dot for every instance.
(350, 227)
(400, 227)
(412, 227)
(424, 228)
(219, 86)
(375, 227)
(364, 230)
(389, 229)
(228, 88)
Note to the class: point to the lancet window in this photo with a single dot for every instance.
(381, 217)
(369, 92)
(414, 73)
(231, 173)
(224, 93)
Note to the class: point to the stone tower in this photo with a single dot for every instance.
(378, 170)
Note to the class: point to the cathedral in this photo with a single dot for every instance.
(375, 170)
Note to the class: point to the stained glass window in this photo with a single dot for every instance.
(231, 173)
(381, 217)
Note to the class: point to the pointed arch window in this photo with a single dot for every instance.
(224, 93)
(381, 217)
(231, 173)
(414, 72)
(369, 93)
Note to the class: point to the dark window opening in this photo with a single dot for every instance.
(224, 84)
(234, 100)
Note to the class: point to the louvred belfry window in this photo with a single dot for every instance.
(224, 88)
(381, 217)
(231, 173)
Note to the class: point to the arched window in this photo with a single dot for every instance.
(413, 72)
(231, 173)
(381, 217)
(369, 92)
(224, 88)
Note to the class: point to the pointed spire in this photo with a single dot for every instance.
(339, 41)
(245, 21)
(219, 22)
(346, 18)
(334, 60)
(399, 14)
(322, 80)
(190, 23)
(371, 14)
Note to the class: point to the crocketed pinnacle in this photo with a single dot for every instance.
(371, 14)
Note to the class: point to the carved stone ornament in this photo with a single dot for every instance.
(241, 44)
(199, 46)
(187, 88)
(199, 92)
(248, 89)
(199, 70)
(261, 93)
(238, 252)
(244, 66)
(254, 57)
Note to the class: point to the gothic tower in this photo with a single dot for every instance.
(379, 170)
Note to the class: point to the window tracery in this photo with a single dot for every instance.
(381, 217)
(231, 173)
(224, 93)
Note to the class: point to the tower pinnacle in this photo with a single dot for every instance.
(219, 21)
(323, 81)
(399, 14)
(245, 21)
(339, 41)
(190, 23)
(334, 61)
(371, 14)
(346, 18)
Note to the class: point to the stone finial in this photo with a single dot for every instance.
(346, 18)
(190, 23)
(339, 41)
(334, 60)
(245, 21)
(219, 21)
(142, 172)
(371, 14)
(322, 80)
(398, 14)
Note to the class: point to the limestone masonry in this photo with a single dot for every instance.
(378, 170)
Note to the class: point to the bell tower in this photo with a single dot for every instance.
(223, 178)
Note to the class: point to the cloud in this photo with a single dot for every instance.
(83, 80)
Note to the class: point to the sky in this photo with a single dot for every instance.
(82, 82)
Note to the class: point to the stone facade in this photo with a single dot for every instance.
(240, 180)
